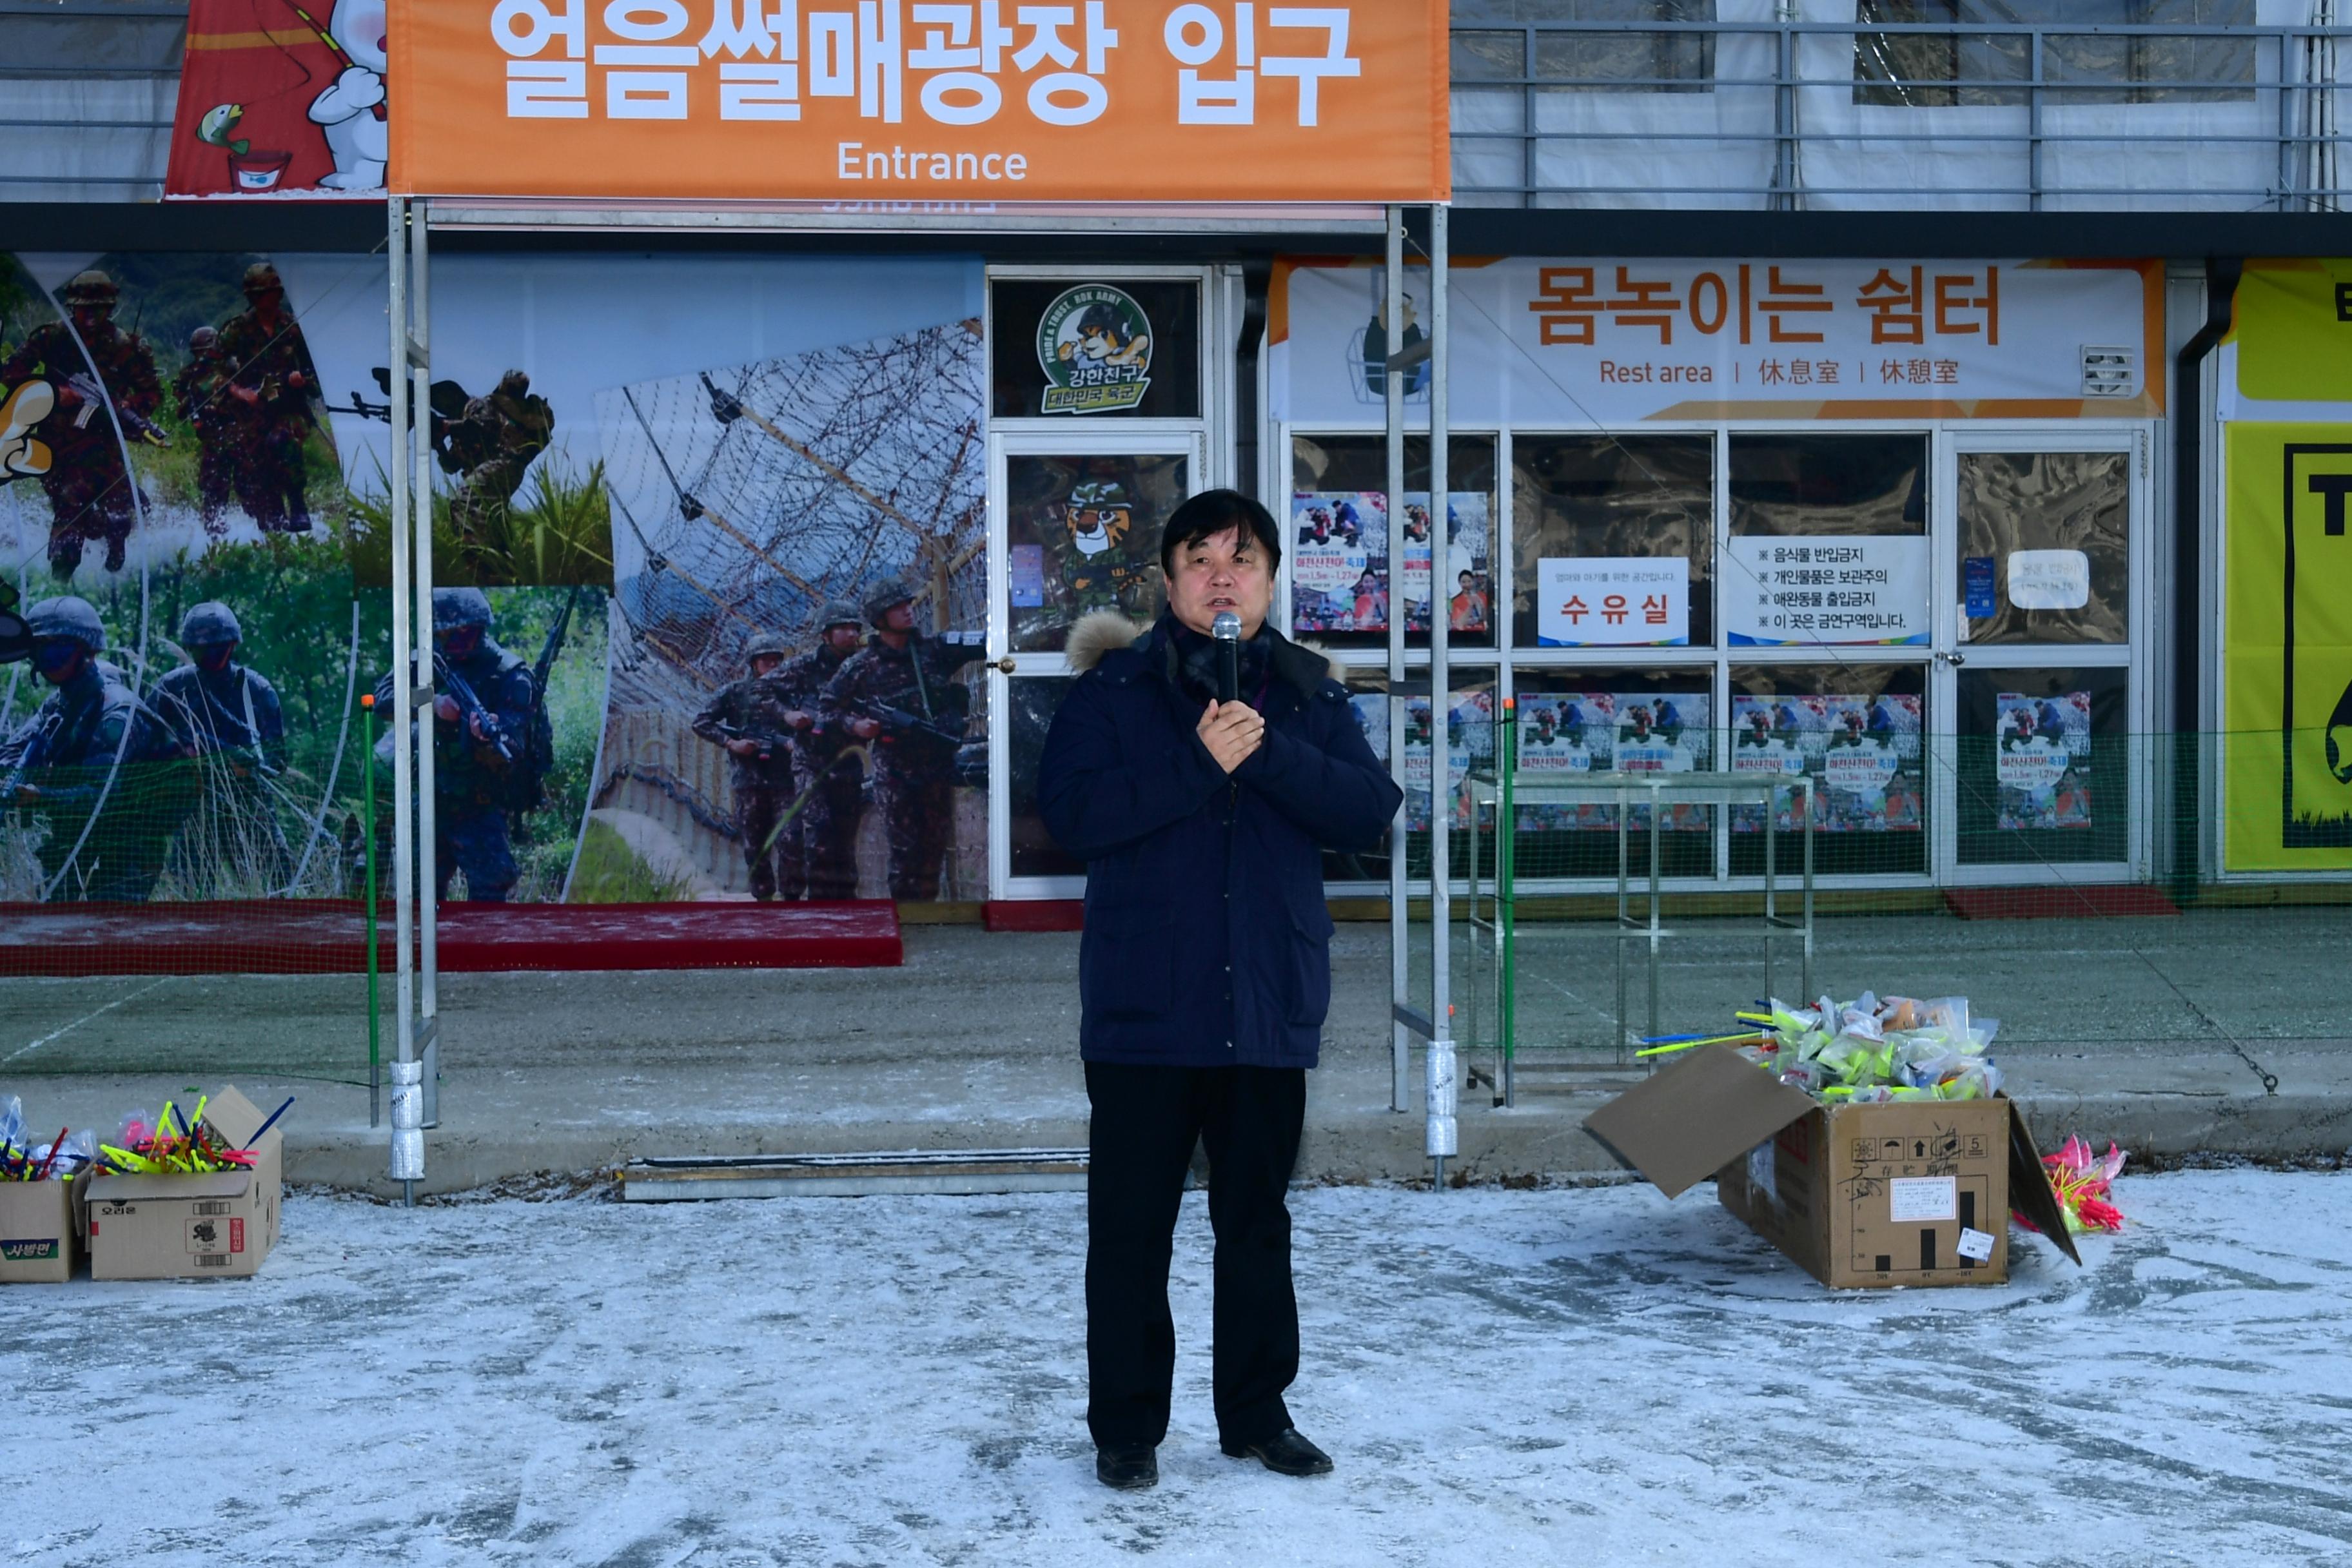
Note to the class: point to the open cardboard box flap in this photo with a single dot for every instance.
(2029, 1185)
(1681, 1126)
(1688, 1122)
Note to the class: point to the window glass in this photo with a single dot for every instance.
(1829, 541)
(1368, 690)
(2045, 546)
(2042, 767)
(1344, 584)
(1630, 61)
(1082, 534)
(1574, 722)
(1613, 540)
(1033, 700)
(1856, 729)
(1069, 348)
(1927, 70)
(1467, 729)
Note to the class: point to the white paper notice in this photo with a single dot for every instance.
(1592, 601)
(1764, 1171)
(2049, 579)
(1975, 1244)
(1782, 592)
(1923, 1200)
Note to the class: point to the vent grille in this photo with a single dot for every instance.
(2109, 371)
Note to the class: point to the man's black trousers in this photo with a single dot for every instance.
(1146, 1121)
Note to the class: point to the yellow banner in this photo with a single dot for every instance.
(2287, 650)
(2294, 326)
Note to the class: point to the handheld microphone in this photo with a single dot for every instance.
(1227, 629)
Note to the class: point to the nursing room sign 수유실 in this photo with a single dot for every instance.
(887, 102)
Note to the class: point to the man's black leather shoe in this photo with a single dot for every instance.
(1285, 1454)
(1130, 1469)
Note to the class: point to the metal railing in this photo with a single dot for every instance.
(1732, 114)
(86, 96)
(1788, 114)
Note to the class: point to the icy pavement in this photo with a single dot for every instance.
(1592, 1377)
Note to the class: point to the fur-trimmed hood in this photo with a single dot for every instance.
(1101, 633)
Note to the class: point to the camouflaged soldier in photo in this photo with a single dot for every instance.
(201, 389)
(899, 694)
(271, 385)
(90, 491)
(828, 775)
(490, 449)
(753, 718)
(96, 764)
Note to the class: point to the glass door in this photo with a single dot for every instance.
(1079, 512)
(2039, 690)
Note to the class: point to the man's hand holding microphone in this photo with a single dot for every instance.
(1230, 728)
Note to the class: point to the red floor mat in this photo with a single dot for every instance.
(328, 938)
(2055, 902)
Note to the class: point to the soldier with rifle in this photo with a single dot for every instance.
(201, 388)
(89, 488)
(828, 778)
(900, 693)
(491, 747)
(95, 761)
(755, 719)
(271, 382)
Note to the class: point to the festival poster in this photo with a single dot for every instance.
(1468, 580)
(1562, 734)
(1340, 571)
(1863, 754)
(1469, 743)
(1339, 561)
(2042, 760)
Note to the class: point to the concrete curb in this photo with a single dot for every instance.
(1545, 1141)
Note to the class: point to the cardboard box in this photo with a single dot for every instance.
(1907, 1193)
(175, 1228)
(39, 1226)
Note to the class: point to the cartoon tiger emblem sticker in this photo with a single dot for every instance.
(1095, 344)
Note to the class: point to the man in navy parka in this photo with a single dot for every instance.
(1204, 972)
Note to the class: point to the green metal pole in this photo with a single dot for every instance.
(367, 838)
(1507, 872)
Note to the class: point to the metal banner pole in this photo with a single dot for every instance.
(1441, 1132)
(407, 1152)
(1392, 381)
(428, 880)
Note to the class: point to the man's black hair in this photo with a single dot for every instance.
(1212, 513)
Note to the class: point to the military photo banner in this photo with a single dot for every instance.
(887, 101)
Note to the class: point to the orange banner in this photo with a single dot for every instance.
(896, 100)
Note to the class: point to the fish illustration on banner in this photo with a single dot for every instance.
(282, 97)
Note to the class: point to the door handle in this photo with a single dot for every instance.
(1005, 664)
(1954, 660)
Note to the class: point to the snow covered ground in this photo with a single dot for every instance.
(1597, 1377)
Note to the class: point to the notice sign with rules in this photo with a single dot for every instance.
(1826, 589)
(887, 101)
